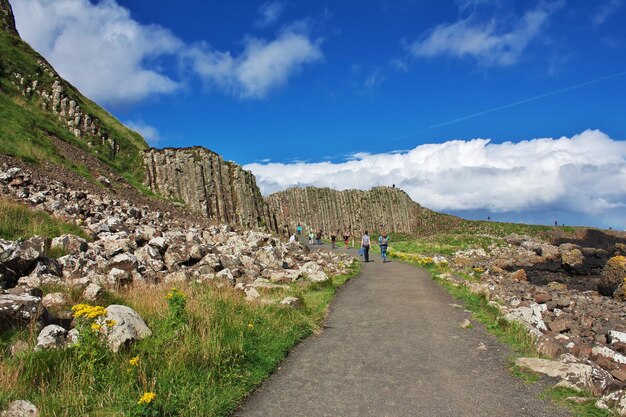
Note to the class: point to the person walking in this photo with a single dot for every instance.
(311, 237)
(333, 240)
(299, 229)
(319, 237)
(365, 244)
(346, 238)
(383, 243)
(293, 238)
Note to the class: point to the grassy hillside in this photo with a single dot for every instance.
(26, 128)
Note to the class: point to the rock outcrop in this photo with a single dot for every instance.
(380, 209)
(219, 190)
(7, 20)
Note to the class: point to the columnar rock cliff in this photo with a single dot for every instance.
(379, 209)
(221, 191)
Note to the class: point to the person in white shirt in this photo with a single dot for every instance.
(292, 238)
(365, 244)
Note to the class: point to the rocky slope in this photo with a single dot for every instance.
(137, 245)
(37, 104)
(221, 191)
(379, 209)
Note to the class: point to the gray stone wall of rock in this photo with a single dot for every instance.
(7, 20)
(221, 191)
(380, 209)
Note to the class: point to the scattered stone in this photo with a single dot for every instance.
(54, 300)
(92, 292)
(294, 302)
(51, 337)
(129, 326)
(466, 324)
(20, 408)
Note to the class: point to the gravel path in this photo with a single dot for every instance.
(392, 346)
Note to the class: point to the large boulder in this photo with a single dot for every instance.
(128, 327)
(20, 408)
(613, 275)
(572, 373)
(51, 337)
(313, 272)
(530, 316)
(19, 309)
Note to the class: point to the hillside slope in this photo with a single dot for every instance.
(36, 105)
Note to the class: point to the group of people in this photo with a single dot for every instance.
(315, 238)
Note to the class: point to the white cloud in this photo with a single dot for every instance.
(262, 66)
(583, 174)
(149, 133)
(605, 11)
(112, 58)
(491, 42)
(269, 13)
(98, 47)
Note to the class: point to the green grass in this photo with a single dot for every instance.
(25, 128)
(585, 409)
(18, 221)
(225, 348)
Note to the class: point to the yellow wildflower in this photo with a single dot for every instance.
(88, 312)
(96, 327)
(134, 361)
(147, 398)
(111, 323)
(250, 326)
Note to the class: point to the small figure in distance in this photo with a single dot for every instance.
(365, 244)
(299, 229)
(383, 242)
(293, 238)
(346, 238)
(311, 237)
(333, 240)
(319, 237)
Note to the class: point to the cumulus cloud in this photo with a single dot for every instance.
(583, 174)
(98, 47)
(496, 41)
(262, 66)
(606, 10)
(113, 59)
(269, 13)
(149, 133)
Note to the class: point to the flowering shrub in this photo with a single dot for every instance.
(411, 257)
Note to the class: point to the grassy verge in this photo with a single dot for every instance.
(18, 221)
(208, 350)
(513, 334)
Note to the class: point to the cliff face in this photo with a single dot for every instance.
(7, 20)
(379, 209)
(221, 191)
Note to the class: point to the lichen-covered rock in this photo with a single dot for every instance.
(613, 275)
(51, 337)
(219, 190)
(92, 292)
(128, 327)
(572, 373)
(20, 408)
(19, 309)
(54, 299)
(313, 272)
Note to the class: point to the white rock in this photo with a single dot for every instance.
(54, 299)
(291, 302)
(51, 337)
(529, 315)
(20, 408)
(581, 375)
(615, 336)
(129, 326)
(252, 294)
(92, 292)
(608, 353)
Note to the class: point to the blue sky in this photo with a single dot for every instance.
(291, 86)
